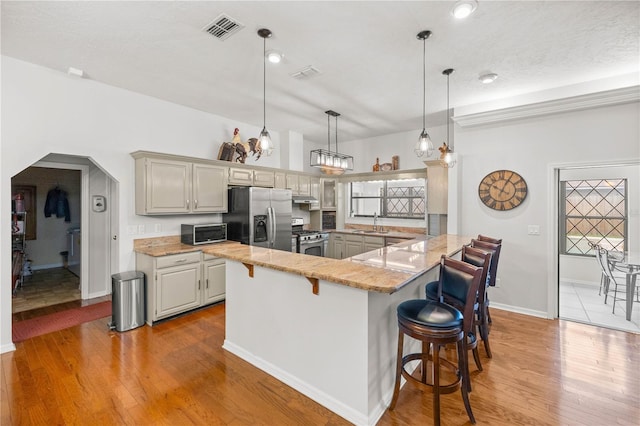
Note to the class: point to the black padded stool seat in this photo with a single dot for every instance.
(424, 312)
(437, 324)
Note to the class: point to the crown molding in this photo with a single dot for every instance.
(574, 103)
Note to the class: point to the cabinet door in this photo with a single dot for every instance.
(337, 249)
(209, 189)
(328, 194)
(240, 176)
(280, 180)
(177, 289)
(352, 247)
(304, 185)
(314, 191)
(372, 243)
(167, 186)
(214, 281)
(292, 183)
(263, 178)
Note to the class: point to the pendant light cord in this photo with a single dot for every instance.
(424, 81)
(337, 152)
(264, 83)
(448, 111)
(329, 132)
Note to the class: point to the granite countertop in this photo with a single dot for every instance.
(368, 232)
(384, 270)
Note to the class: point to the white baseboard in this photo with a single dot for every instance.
(49, 266)
(519, 310)
(312, 392)
(9, 347)
(97, 294)
(581, 282)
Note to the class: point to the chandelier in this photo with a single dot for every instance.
(331, 162)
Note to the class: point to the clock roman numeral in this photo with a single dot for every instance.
(521, 189)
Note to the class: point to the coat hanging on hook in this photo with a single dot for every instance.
(58, 204)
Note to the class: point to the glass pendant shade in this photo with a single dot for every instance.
(424, 144)
(266, 145)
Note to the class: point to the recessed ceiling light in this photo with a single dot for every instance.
(464, 8)
(274, 56)
(488, 78)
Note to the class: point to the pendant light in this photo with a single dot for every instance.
(266, 145)
(424, 144)
(331, 162)
(447, 156)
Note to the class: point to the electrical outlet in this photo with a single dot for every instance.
(157, 227)
(140, 229)
(131, 230)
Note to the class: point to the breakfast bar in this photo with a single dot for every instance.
(323, 326)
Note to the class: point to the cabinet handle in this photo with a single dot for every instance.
(207, 282)
(181, 260)
(187, 204)
(198, 284)
(195, 204)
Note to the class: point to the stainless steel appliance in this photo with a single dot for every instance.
(203, 234)
(259, 217)
(313, 243)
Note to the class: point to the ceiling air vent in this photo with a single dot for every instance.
(305, 73)
(223, 27)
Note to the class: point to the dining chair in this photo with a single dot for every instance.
(615, 276)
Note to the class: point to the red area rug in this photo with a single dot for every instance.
(38, 326)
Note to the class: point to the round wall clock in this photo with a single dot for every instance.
(502, 190)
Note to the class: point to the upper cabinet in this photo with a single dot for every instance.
(328, 194)
(178, 187)
(280, 180)
(251, 177)
(298, 184)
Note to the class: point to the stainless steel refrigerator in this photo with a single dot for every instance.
(260, 217)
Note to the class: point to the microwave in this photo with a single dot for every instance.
(203, 234)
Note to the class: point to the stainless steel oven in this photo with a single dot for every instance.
(313, 243)
(312, 247)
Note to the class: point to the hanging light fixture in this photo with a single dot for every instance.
(331, 162)
(424, 144)
(446, 151)
(266, 145)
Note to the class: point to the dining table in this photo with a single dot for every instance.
(631, 265)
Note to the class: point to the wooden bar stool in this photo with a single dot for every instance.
(456, 297)
(484, 317)
(436, 324)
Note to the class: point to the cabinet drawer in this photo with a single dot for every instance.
(177, 259)
(211, 258)
(354, 238)
(374, 240)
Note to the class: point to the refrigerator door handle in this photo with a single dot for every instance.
(272, 225)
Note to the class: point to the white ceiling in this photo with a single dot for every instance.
(367, 51)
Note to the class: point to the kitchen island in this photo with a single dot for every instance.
(327, 327)
(323, 326)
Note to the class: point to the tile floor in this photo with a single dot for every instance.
(46, 287)
(581, 303)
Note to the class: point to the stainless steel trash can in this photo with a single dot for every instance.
(127, 300)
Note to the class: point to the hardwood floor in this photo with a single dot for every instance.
(543, 373)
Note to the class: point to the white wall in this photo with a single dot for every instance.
(45, 111)
(532, 147)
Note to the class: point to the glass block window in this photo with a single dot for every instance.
(593, 211)
(403, 199)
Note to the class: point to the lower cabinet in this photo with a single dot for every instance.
(214, 279)
(372, 243)
(352, 245)
(178, 283)
(336, 246)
